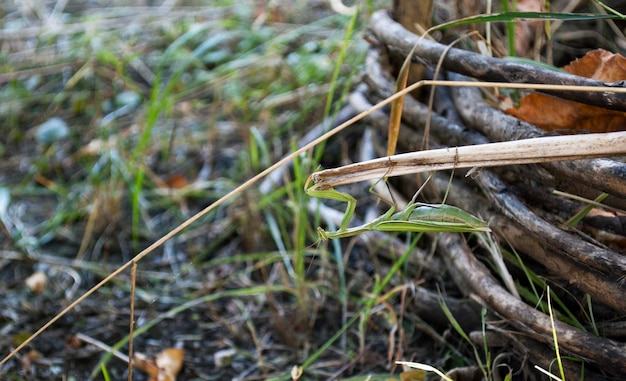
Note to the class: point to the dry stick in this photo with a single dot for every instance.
(395, 37)
(133, 282)
(99, 344)
(525, 151)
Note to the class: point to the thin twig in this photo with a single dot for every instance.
(101, 345)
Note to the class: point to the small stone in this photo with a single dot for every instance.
(224, 357)
(52, 130)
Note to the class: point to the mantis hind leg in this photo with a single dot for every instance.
(421, 188)
(445, 196)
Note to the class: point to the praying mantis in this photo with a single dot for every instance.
(416, 217)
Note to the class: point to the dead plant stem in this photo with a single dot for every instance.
(525, 151)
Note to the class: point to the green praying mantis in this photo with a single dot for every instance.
(416, 217)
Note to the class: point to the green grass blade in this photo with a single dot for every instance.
(515, 16)
(592, 318)
(105, 373)
(510, 28)
(609, 9)
(340, 60)
(555, 338)
(574, 220)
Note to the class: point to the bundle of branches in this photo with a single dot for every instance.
(582, 264)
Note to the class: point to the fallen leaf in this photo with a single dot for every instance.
(599, 64)
(170, 362)
(177, 181)
(37, 282)
(551, 113)
(28, 359)
(73, 342)
(145, 364)
(165, 367)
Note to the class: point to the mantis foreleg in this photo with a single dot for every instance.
(333, 194)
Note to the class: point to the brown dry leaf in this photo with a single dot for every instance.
(146, 365)
(177, 181)
(37, 282)
(268, 12)
(73, 342)
(165, 367)
(552, 113)
(599, 64)
(169, 362)
(28, 359)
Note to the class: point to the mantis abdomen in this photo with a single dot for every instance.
(432, 218)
